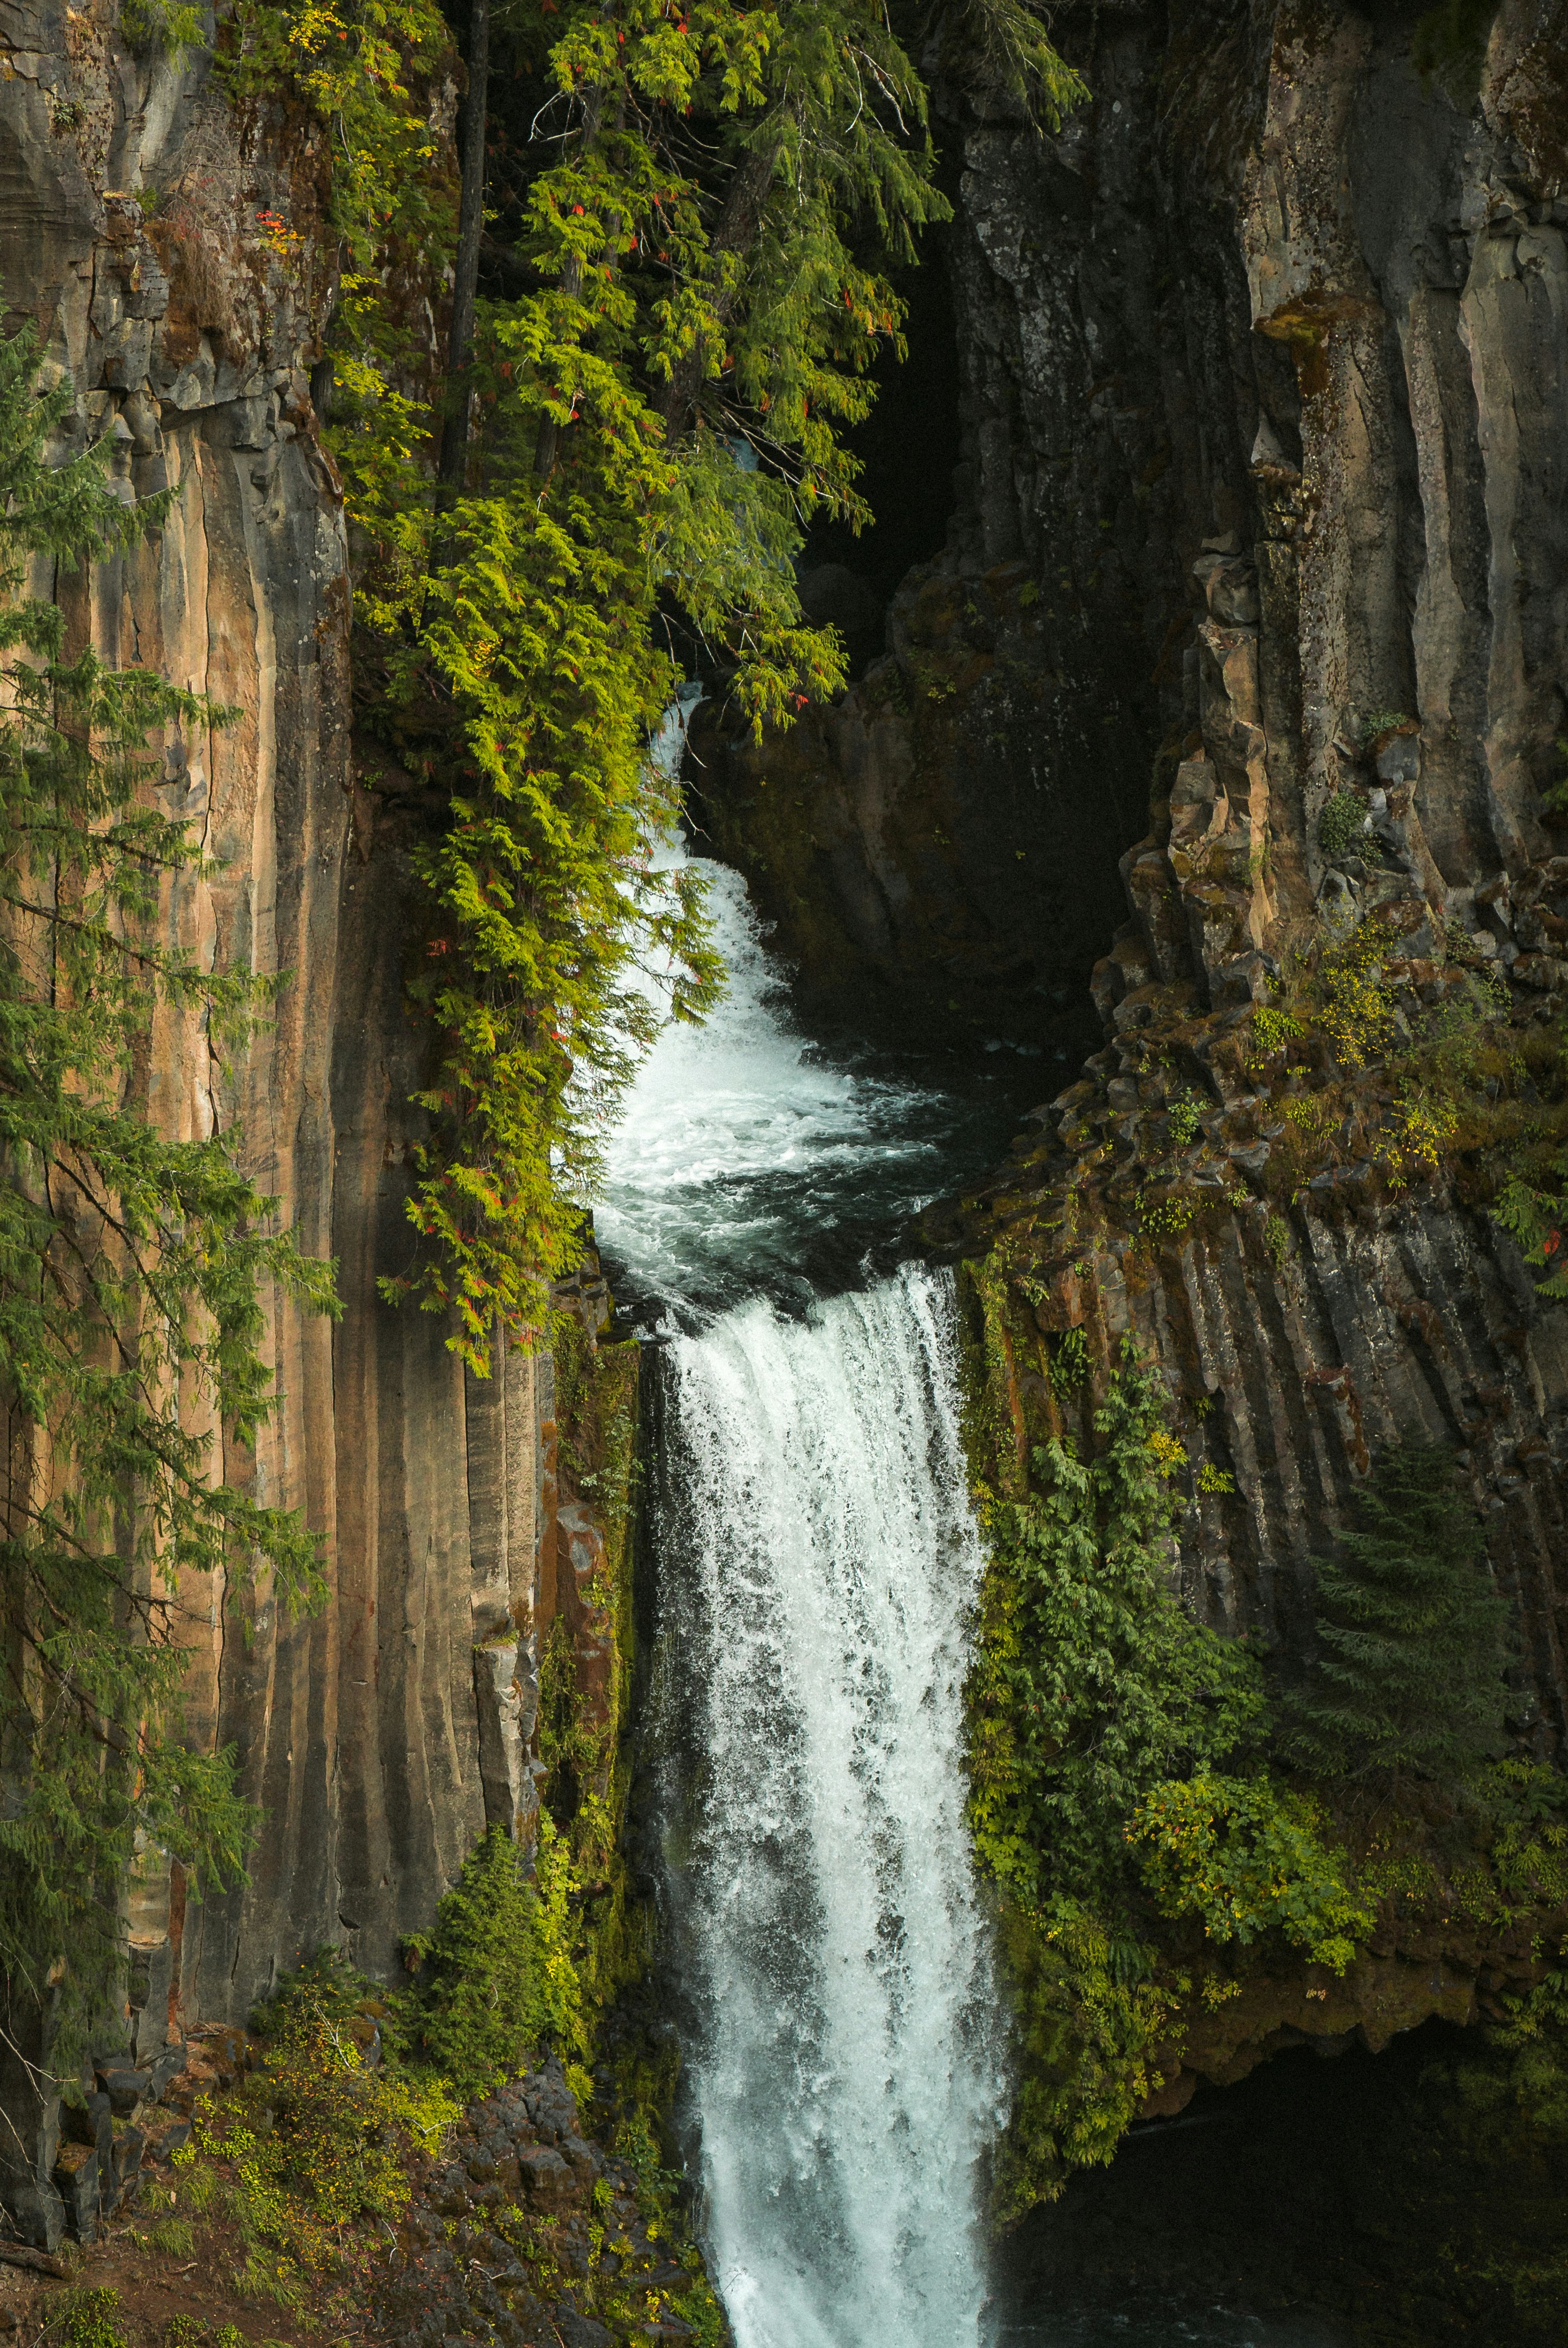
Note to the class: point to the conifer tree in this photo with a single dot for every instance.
(1411, 1635)
(131, 1270)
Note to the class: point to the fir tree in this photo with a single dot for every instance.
(131, 1268)
(1411, 1635)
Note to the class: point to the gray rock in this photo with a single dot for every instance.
(547, 2179)
(38, 2213)
(580, 2331)
(77, 2182)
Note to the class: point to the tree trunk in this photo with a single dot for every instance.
(471, 228)
(735, 231)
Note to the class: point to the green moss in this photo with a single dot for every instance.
(588, 1764)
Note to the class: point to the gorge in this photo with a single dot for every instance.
(1148, 958)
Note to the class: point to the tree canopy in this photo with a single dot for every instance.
(672, 251)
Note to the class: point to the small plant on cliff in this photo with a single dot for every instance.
(1538, 1220)
(1341, 826)
(171, 26)
(1410, 1634)
(1554, 799)
(132, 1267)
(1186, 1120)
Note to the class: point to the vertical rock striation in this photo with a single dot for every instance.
(381, 1733)
(1258, 508)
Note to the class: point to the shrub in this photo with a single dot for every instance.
(1341, 823)
(1538, 1220)
(311, 2141)
(90, 2318)
(1247, 1859)
(1186, 1120)
(1087, 2016)
(1092, 1684)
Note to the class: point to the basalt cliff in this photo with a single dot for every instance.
(1256, 505)
(137, 200)
(1255, 529)
(1239, 478)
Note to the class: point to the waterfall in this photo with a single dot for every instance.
(818, 1558)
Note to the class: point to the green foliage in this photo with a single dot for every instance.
(1341, 825)
(191, 2332)
(1167, 1217)
(356, 62)
(1274, 1029)
(314, 2140)
(699, 226)
(1091, 1684)
(1186, 1115)
(1554, 799)
(171, 25)
(1410, 1635)
(1003, 47)
(1520, 1793)
(495, 1977)
(1087, 2017)
(91, 2318)
(1382, 721)
(1352, 1008)
(1069, 1361)
(1537, 1218)
(132, 1267)
(1247, 1857)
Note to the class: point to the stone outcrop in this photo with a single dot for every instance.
(170, 248)
(1264, 402)
(1264, 358)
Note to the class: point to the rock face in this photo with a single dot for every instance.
(1263, 412)
(1266, 396)
(383, 1732)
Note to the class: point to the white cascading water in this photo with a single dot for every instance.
(817, 1558)
(823, 1558)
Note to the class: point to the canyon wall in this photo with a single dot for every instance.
(170, 248)
(1259, 502)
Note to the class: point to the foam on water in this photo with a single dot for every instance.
(817, 1559)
